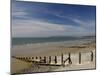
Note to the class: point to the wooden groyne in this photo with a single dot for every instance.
(53, 60)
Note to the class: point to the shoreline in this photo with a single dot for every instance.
(33, 49)
(84, 48)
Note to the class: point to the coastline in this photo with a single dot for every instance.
(73, 49)
(50, 47)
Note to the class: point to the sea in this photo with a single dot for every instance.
(40, 40)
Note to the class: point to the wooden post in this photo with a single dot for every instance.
(23, 58)
(70, 62)
(36, 57)
(55, 59)
(91, 56)
(29, 58)
(49, 59)
(20, 58)
(32, 57)
(26, 58)
(79, 58)
(44, 59)
(62, 58)
(40, 57)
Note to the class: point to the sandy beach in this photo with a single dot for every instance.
(53, 47)
(20, 66)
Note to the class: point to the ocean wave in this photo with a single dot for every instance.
(59, 43)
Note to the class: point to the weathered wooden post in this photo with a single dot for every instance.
(29, 57)
(36, 57)
(55, 59)
(79, 58)
(49, 59)
(32, 57)
(40, 57)
(44, 59)
(20, 58)
(69, 57)
(23, 58)
(91, 56)
(62, 59)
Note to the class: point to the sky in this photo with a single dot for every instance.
(37, 19)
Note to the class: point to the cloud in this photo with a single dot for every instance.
(32, 21)
(30, 28)
(82, 23)
(38, 28)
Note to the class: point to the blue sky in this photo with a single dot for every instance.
(34, 19)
